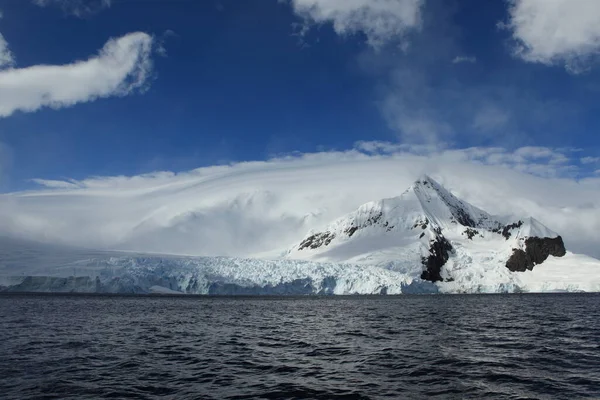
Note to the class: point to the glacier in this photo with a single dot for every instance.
(237, 276)
(210, 276)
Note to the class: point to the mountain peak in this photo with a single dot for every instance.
(425, 180)
(425, 184)
(426, 226)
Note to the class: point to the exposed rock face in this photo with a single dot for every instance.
(372, 220)
(439, 253)
(470, 232)
(508, 228)
(317, 240)
(537, 250)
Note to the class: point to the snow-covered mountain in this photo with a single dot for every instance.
(424, 241)
(429, 232)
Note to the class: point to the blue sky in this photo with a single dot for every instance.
(222, 81)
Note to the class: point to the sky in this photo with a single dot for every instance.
(107, 103)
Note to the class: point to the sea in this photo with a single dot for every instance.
(520, 346)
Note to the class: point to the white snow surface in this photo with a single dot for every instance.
(377, 249)
(571, 273)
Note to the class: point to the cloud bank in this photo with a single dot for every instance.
(379, 20)
(253, 208)
(122, 66)
(556, 32)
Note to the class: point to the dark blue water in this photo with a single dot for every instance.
(504, 346)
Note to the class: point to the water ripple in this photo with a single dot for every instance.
(505, 347)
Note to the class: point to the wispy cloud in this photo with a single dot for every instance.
(425, 100)
(379, 20)
(590, 160)
(78, 8)
(464, 59)
(56, 184)
(122, 66)
(6, 57)
(250, 208)
(490, 117)
(161, 50)
(556, 32)
(535, 160)
(422, 108)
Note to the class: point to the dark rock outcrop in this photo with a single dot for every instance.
(508, 228)
(387, 226)
(462, 217)
(372, 220)
(351, 231)
(470, 232)
(505, 230)
(439, 253)
(421, 223)
(317, 240)
(537, 250)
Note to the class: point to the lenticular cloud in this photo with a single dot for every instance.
(250, 209)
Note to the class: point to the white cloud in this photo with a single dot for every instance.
(78, 8)
(6, 57)
(380, 20)
(556, 31)
(410, 108)
(122, 66)
(247, 209)
(589, 160)
(464, 59)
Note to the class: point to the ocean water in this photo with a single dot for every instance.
(489, 346)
